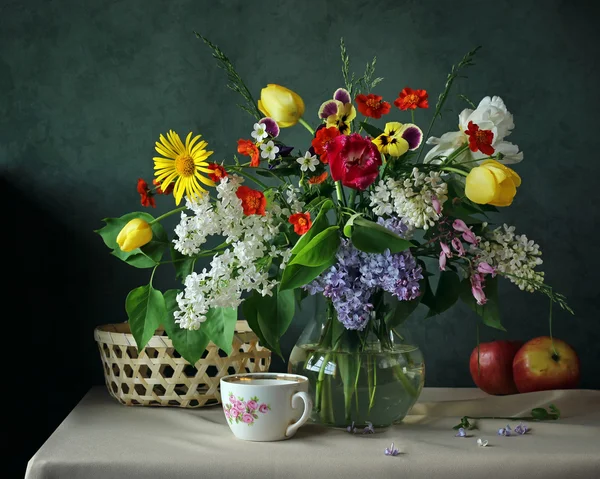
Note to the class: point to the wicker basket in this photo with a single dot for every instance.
(159, 376)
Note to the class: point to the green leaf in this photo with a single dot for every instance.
(146, 310)
(275, 314)
(190, 344)
(371, 237)
(446, 293)
(318, 225)
(321, 249)
(490, 311)
(348, 365)
(296, 275)
(349, 224)
(250, 312)
(220, 326)
(371, 130)
(145, 257)
(184, 265)
(401, 312)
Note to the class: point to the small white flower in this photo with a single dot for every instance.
(269, 150)
(260, 132)
(308, 162)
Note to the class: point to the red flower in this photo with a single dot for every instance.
(248, 148)
(218, 172)
(159, 190)
(253, 201)
(354, 160)
(321, 141)
(480, 140)
(301, 222)
(371, 105)
(318, 179)
(412, 99)
(146, 197)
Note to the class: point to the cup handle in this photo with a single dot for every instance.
(308, 405)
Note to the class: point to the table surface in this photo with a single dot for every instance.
(103, 439)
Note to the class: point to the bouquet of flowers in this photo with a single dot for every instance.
(364, 214)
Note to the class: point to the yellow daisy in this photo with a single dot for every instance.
(182, 164)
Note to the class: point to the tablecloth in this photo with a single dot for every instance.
(103, 439)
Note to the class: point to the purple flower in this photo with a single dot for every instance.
(351, 429)
(461, 433)
(443, 258)
(521, 429)
(357, 275)
(369, 428)
(271, 126)
(505, 431)
(457, 245)
(485, 268)
(391, 451)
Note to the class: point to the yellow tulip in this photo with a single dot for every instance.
(492, 183)
(282, 104)
(134, 234)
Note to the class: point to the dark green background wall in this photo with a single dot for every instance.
(86, 88)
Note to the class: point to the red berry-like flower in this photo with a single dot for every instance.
(248, 148)
(321, 141)
(318, 179)
(159, 190)
(253, 201)
(218, 173)
(372, 105)
(409, 99)
(480, 140)
(301, 222)
(146, 197)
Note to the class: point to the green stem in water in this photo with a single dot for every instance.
(455, 170)
(167, 214)
(306, 125)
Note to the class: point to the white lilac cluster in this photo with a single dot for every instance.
(243, 266)
(512, 254)
(417, 200)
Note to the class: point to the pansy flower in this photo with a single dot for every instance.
(338, 112)
(270, 126)
(409, 99)
(398, 138)
(248, 148)
(372, 105)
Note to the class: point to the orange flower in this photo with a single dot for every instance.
(159, 190)
(321, 141)
(372, 105)
(248, 148)
(146, 197)
(253, 201)
(317, 180)
(412, 99)
(218, 172)
(301, 222)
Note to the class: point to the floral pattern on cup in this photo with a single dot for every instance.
(239, 411)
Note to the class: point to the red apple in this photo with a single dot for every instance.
(494, 373)
(539, 367)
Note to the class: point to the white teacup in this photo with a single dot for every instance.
(265, 406)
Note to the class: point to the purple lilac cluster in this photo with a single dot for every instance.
(357, 275)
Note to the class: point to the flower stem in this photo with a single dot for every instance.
(352, 198)
(306, 125)
(252, 178)
(455, 170)
(340, 193)
(167, 214)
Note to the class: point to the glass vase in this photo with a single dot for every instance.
(359, 378)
